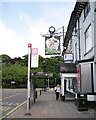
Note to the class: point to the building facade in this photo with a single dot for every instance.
(80, 40)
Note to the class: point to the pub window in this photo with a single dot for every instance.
(87, 9)
(88, 39)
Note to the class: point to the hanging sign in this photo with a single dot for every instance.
(34, 58)
(52, 46)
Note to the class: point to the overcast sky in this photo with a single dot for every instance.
(24, 22)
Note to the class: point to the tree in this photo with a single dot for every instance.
(14, 72)
(5, 58)
(18, 71)
(24, 60)
(52, 65)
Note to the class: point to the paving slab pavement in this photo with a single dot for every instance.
(47, 106)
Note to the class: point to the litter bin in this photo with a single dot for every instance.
(82, 103)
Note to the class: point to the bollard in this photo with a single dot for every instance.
(36, 95)
(40, 92)
(44, 89)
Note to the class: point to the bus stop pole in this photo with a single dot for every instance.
(28, 81)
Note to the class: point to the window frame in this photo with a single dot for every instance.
(88, 37)
(87, 10)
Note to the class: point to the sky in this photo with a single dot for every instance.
(25, 22)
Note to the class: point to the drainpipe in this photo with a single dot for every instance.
(95, 32)
(79, 39)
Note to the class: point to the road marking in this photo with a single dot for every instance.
(11, 96)
(3, 108)
(15, 108)
(10, 103)
(16, 104)
(7, 108)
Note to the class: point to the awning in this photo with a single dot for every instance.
(68, 68)
(42, 74)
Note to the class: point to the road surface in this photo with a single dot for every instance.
(12, 99)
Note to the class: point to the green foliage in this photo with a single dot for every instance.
(18, 71)
(5, 58)
(52, 65)
(14, 72)
(24, 61)
(40, 83)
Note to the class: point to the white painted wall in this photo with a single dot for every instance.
(83, 26)
(90, 19)
(95, 49)
(95, 33)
